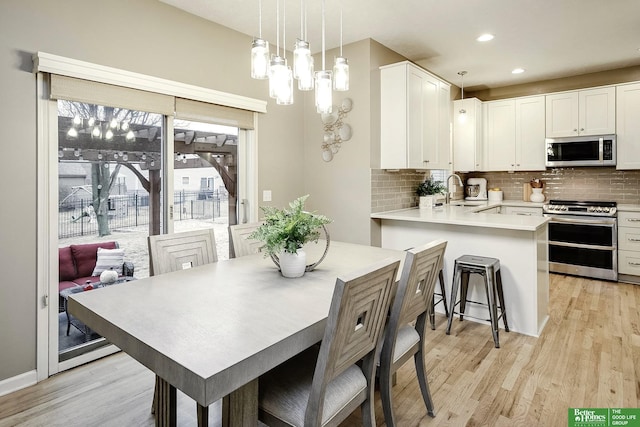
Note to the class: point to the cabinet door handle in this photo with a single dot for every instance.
(633, 219)
(581, 129)
(635, 264)
(575, 130)
(631, 239)
(524, 213)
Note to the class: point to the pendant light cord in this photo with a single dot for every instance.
(323, 67)
(260, 19)
(340, 28)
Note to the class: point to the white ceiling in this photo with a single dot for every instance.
(548, 38)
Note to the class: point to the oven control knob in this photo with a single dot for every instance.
(563, 208)
(605, 210)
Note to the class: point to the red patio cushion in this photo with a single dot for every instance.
(86, 256)
(66, 267)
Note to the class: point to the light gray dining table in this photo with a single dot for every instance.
(211, 331)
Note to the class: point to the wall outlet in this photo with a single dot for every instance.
(266, 195)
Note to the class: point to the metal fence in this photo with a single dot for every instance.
(76, 218)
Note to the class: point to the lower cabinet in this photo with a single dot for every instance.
(629, 246)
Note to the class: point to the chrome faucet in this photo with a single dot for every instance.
(447, 198)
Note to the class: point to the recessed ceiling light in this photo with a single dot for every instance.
(517, 71)
(485, 37)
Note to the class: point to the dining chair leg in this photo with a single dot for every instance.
(432, 313)
(421, 370)
(386, 396)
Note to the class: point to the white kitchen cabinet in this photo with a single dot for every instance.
(500, 135)
(628, 126)
(467, 135)
(584, 112)
(629, 246)
(514, 136)
(530, 133)
(414, 119)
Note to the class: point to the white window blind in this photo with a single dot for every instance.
(91, 92)
(196, 111)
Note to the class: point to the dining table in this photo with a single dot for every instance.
(212, 331)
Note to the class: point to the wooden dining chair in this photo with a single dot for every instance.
(177, 251)
(241, 243)
(405, 331)
(322, 386)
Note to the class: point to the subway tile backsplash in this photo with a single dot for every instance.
(396, 190)
(586, 183)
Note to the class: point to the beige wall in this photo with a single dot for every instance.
(341, 188)
(622, 75)
(143, 36)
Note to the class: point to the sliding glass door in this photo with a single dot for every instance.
(205, 176)
(109, 201)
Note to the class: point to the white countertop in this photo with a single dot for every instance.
(629, 208)
(469, 215)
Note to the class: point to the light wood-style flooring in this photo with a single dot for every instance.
(588, 356)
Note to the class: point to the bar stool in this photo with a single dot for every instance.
(489, 269)
(437, 299)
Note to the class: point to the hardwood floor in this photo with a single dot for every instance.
(588, 356)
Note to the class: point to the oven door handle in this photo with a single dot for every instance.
(600, 221)
(583, 246)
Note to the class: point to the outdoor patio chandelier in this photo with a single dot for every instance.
(281, 75)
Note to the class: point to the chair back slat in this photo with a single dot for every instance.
(355, 323)
(172, 252)
(241, 243)
(418, 280)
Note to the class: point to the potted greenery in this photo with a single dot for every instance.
(427, 190)
(285, 231)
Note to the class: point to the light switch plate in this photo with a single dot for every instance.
(266, 195)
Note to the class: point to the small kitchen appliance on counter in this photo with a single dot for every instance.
(476, 189)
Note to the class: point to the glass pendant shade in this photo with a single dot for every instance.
(306, 81)
(341, 74)
(324, 98)
(277, 75)
(260, 59)
(284, 95)
(301, 58)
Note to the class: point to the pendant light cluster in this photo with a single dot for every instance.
(281, 75)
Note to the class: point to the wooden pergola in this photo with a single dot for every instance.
(215, 150)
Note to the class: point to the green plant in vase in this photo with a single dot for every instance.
(427, 189)
(285, 231)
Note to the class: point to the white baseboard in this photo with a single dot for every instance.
(18, 382)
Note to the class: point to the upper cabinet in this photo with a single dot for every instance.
(515, 134)
(628, 126)
(414, 119)
(467, 135)
(583, 112)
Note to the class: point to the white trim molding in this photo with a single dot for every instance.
(49, 63)
(18, 382)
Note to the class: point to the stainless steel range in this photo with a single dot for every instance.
(583, 238)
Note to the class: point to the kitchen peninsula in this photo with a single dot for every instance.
(519, 242)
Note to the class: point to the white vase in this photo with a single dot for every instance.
(293, 265)
(536, 195)
(426, 202)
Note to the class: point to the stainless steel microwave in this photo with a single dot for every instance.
(597, 150)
